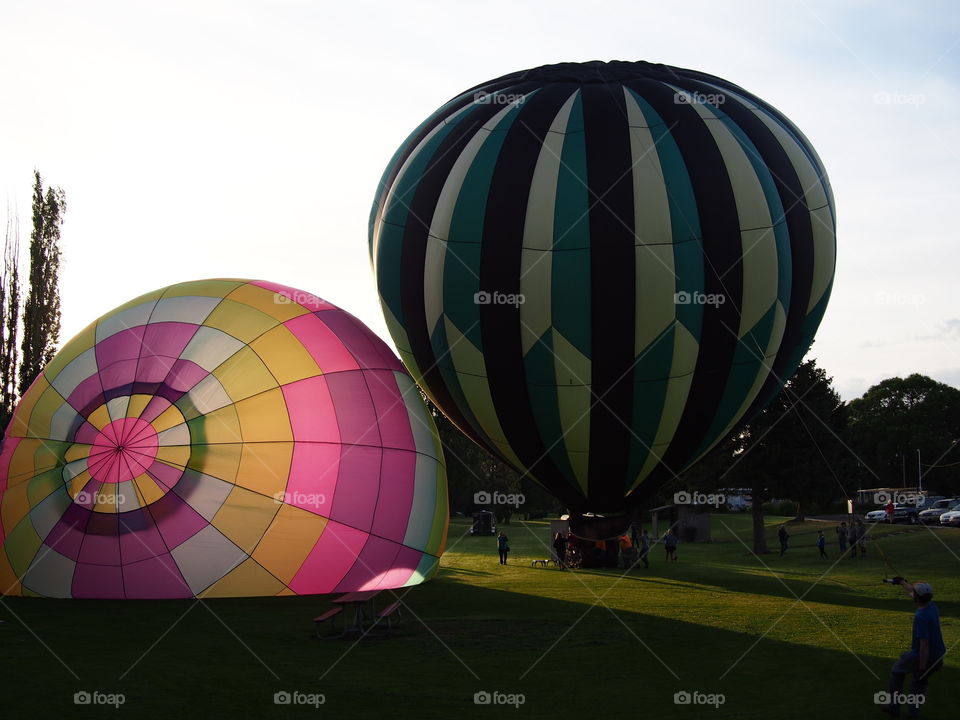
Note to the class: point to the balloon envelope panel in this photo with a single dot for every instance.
(598, 270)
(221, 438)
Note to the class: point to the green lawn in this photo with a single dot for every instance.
(601, 642)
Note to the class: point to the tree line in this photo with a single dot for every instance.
(30, 316)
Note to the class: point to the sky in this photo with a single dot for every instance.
(246, 139)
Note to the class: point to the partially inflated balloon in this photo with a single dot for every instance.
(221, 438)
(598, 270)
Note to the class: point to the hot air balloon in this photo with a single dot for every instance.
(221, 438)
(598, 271)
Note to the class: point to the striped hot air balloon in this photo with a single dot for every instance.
(598, 270)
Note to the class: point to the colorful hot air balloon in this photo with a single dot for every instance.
(598, 270)
(221, 438)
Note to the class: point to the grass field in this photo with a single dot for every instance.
(589, 642)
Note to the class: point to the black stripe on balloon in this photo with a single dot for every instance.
(800, 230)
(722, 271)
(500, 267)
(612, 291)
(421, 205)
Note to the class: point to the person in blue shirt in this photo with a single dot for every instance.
(503, 547)
(925, 655)
(821, 543)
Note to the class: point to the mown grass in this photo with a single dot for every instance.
(594, 641)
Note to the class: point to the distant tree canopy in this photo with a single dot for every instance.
(30, 329)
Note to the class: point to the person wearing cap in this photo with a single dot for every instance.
(925, 655)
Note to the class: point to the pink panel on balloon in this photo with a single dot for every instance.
(184, 375)
(177, 521)
(356, 415)
(311, 411)
(154, 408)
(325, 347)
(357, 487)
(157, 577)
(369, 350)
(330, 559)
(396, 495)
(67, 535)
(166, 475)
(311, 302)
(86, 434)
(101, 544)
(118, 374)
(139, 537)
(375, 560)
(85, 392)
(6, 454)
(313, 477)
(124, 345)
(167, 338)
(97, 581)
(404, 566)
(154, 368)
(390, 409)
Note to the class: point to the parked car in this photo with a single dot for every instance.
(876, 515)
(932, 514)
(951, 518)
(902, 512)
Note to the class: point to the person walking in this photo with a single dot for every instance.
(560, 548)
(503, 547)
(783, 536)
(925, 655)
(821, 543)
(670, 541)
(644, 548)
(842, 537)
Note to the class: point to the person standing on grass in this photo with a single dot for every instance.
(670, 541)
(783, 536)
(560, 548)
(644, 548)
(821, 543)
(925, 655)
(889, 509)
(842, 537)
(862, 537)
(503, 547)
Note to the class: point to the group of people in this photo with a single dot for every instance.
(853, 536)
(566, 546)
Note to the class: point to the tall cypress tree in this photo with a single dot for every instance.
(9, 320)
(41, 312)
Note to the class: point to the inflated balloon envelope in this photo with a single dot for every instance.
(599, 270)
(221, 438)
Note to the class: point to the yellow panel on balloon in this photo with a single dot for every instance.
(263, 418)
(267, 301)
(242, 322)
(245, 580)
(147, 489)
(285, 355)
(167, 419)
(264, 467)
(23, 463)
(288, 541)
(244, 517)
(22, 423)
(15, 506)
(137, 404)
(99, 418)
(176, 455)
(219, 461)
(220, 426)
(244, 374)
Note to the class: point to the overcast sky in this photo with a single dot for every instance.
(241, 139)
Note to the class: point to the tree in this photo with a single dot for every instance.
(10, 324)
(41, 312)
(899, 416)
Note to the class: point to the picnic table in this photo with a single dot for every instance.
(363, 604)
